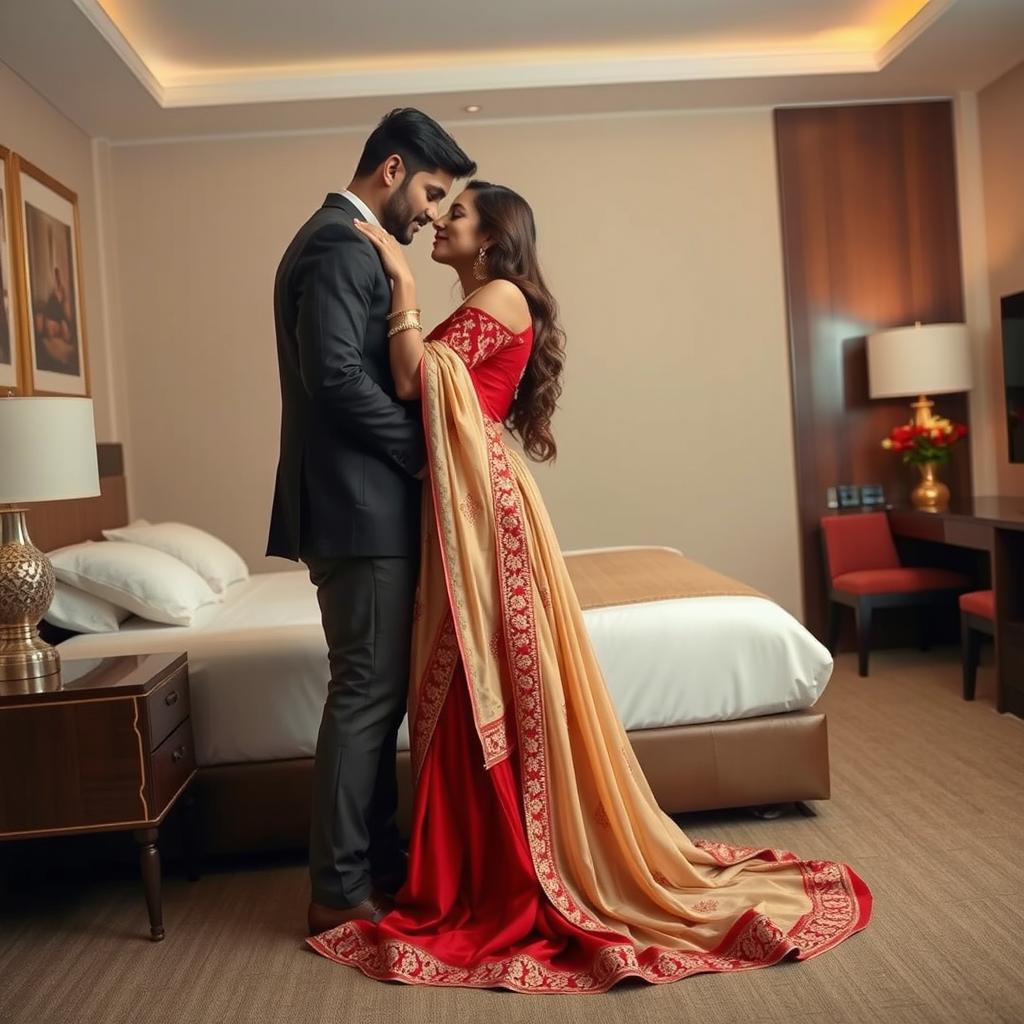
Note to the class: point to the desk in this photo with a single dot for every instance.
(993, 524)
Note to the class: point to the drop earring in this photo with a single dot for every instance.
(480, 265)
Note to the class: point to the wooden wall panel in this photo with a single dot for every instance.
(871, 239)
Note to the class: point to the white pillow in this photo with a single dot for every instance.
(83, 613)
(147, 582)
(218, 564)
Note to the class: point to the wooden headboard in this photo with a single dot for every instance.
(55, 524)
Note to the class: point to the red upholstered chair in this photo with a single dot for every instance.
(977, 620)
(865, 573)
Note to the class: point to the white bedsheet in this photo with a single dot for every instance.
(258, 664)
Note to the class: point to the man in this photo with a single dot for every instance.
(347, 499)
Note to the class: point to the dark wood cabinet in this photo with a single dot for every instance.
(108, 748)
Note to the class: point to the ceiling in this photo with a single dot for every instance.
(135, 70)
(195, 37)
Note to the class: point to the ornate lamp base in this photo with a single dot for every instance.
(26, 589)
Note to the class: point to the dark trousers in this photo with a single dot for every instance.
(366, 607)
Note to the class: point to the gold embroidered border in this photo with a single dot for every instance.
(488, 709)
(834, 910)
(444, 507)
(432, 691)
(496, 742)
(756, 942)
(515, 579)
(725, 854)
(474, 336)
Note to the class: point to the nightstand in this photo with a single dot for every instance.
(108, 748)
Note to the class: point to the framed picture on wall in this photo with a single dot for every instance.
(10, 363)
(54, 346)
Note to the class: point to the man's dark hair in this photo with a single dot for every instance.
(419, 140)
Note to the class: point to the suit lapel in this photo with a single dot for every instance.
(336, 201)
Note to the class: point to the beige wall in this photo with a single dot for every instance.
(34, 129)
(660, 236)
(1001, 119)
(984, 413)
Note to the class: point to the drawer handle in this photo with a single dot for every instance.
(171, 698)
(179, 753)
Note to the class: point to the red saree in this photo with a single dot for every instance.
(539, 860)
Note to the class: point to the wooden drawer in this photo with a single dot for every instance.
(71, 765)
(172, 763)
(166, 707)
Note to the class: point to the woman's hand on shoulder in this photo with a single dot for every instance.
(506, 303)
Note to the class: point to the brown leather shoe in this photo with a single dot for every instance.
(321, 918)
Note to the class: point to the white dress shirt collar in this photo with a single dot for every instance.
(368, 214)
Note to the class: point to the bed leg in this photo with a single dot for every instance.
(769, 812)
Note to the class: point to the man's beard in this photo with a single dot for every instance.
(397, 217)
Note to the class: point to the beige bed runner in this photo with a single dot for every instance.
(636, 575)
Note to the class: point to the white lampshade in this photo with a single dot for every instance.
(47, 450)
(927, 359)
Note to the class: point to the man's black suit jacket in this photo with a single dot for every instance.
(350, 451)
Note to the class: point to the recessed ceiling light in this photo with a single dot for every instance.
(473, 108)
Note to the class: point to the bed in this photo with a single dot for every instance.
(717, 692)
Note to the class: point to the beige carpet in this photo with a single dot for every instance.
(928, 805)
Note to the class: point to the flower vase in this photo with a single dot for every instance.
(931, 494)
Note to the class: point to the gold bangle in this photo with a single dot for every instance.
(402, 312)
(409, 323)
(408, 317)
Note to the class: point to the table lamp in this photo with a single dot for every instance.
(923, 360)
(47, 453)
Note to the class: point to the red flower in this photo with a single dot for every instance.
(920, 443)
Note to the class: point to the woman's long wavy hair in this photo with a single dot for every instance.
(508, 219)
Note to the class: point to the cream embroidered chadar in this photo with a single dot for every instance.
(494, 590)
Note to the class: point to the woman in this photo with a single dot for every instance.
(539, 859)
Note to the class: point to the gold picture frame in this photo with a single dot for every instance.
(54, 349)
(11, 361)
